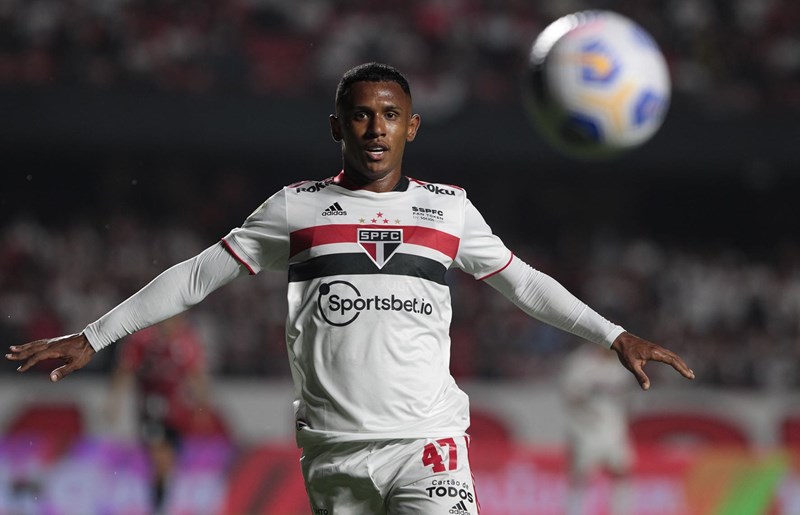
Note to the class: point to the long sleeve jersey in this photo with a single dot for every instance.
(367, 331)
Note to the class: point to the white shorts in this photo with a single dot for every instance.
(429, 476)
(610, 451)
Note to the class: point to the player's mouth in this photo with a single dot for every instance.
(375, 152)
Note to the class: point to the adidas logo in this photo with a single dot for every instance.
(459, 509)
(334, 210)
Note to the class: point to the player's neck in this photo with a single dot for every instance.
(353, 181)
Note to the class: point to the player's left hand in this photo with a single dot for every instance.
(634, 353)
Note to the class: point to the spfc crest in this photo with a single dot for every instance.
(380, 244)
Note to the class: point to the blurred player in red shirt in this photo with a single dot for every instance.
(167, 365)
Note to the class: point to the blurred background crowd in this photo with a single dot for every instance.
(740, 54)
(683, 242)
(734, 318)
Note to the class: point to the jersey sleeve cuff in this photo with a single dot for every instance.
(94, 338)
(612, 335)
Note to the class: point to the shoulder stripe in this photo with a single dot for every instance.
(360, 264)
(236, 256)
(304, 239)
(510, 259)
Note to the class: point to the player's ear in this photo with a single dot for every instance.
(413, 127)
(336, 128)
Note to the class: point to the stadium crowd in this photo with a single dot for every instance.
(734, 317)
(726, 55)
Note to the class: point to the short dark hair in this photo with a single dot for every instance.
(369, 72)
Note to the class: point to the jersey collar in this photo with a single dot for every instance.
(341, 180)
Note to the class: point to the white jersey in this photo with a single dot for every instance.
(595, 388)
(369, 310)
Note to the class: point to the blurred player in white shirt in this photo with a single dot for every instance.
(595, 391)
(381, 421)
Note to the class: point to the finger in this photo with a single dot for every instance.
(28, 364)
(675, 361)
(679, 365)
(61, 372)
(638, 372)
(21, 352)
(36, 358)
(70, 366)
(683, 369)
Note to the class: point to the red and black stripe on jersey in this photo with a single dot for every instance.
(359, 263)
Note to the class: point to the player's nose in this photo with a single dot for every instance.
(376, 127)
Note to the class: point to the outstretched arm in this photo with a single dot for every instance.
(543, 298)
(174, 291)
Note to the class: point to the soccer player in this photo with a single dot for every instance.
(595, 393)
(167, 365)
(380, 420)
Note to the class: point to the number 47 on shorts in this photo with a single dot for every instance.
(431, 456)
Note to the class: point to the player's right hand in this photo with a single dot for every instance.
(73, 350)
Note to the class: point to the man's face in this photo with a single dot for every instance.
(373, 124)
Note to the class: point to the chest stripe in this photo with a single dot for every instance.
(360, 264)
(309, 237)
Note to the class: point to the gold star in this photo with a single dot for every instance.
(361, 220)
(397, 221)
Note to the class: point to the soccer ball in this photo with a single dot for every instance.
(596, 84)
